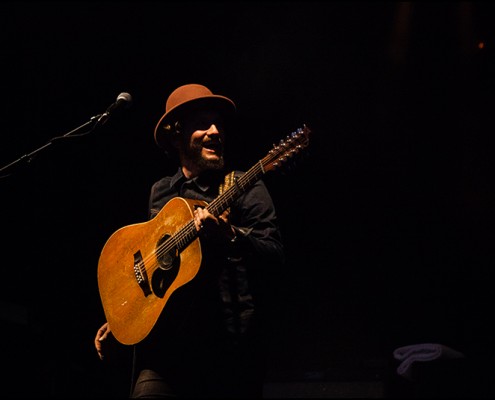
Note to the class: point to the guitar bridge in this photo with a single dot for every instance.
(141, 274)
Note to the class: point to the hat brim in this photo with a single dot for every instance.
(222, 104)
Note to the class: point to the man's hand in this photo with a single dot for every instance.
(101, 336)
(217, 229)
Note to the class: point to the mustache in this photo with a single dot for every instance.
(213, 141)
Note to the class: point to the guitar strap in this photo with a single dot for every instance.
(227, 182)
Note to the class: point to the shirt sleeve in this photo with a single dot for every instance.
(255, 223)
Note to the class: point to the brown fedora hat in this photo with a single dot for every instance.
(184, 98)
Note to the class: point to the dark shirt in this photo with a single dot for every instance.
(224, 301)
(252, 214)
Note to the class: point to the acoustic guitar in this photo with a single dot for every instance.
(141, 265)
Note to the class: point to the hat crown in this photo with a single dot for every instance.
(186, 93)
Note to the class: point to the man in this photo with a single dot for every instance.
(208, 340)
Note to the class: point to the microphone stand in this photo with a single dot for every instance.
(28, 157)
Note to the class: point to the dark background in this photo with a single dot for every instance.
(387, 219)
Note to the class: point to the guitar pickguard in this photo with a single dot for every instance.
(168, 268)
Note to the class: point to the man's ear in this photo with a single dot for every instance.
(175, 135)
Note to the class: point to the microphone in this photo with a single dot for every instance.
(124, 100)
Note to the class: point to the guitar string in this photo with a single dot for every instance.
(187, 229)
(181, 236)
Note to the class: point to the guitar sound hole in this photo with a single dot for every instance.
(167, 261)
(164, 276)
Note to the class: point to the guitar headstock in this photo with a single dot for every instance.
(287, 148)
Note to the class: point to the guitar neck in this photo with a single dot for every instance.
(275, 157)
(185, 235)
(240, 185)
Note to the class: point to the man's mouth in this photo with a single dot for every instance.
(213, 146)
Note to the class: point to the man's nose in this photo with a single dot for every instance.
(212, 130)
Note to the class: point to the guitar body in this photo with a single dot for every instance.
(135, 281)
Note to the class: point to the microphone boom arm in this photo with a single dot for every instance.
(123, 99)
(28, 157)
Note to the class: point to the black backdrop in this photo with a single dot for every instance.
(387, 219)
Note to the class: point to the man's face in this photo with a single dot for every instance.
(204, 139)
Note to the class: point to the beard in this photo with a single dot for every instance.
(194, 153)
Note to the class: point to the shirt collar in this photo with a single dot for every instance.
(179, 178)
